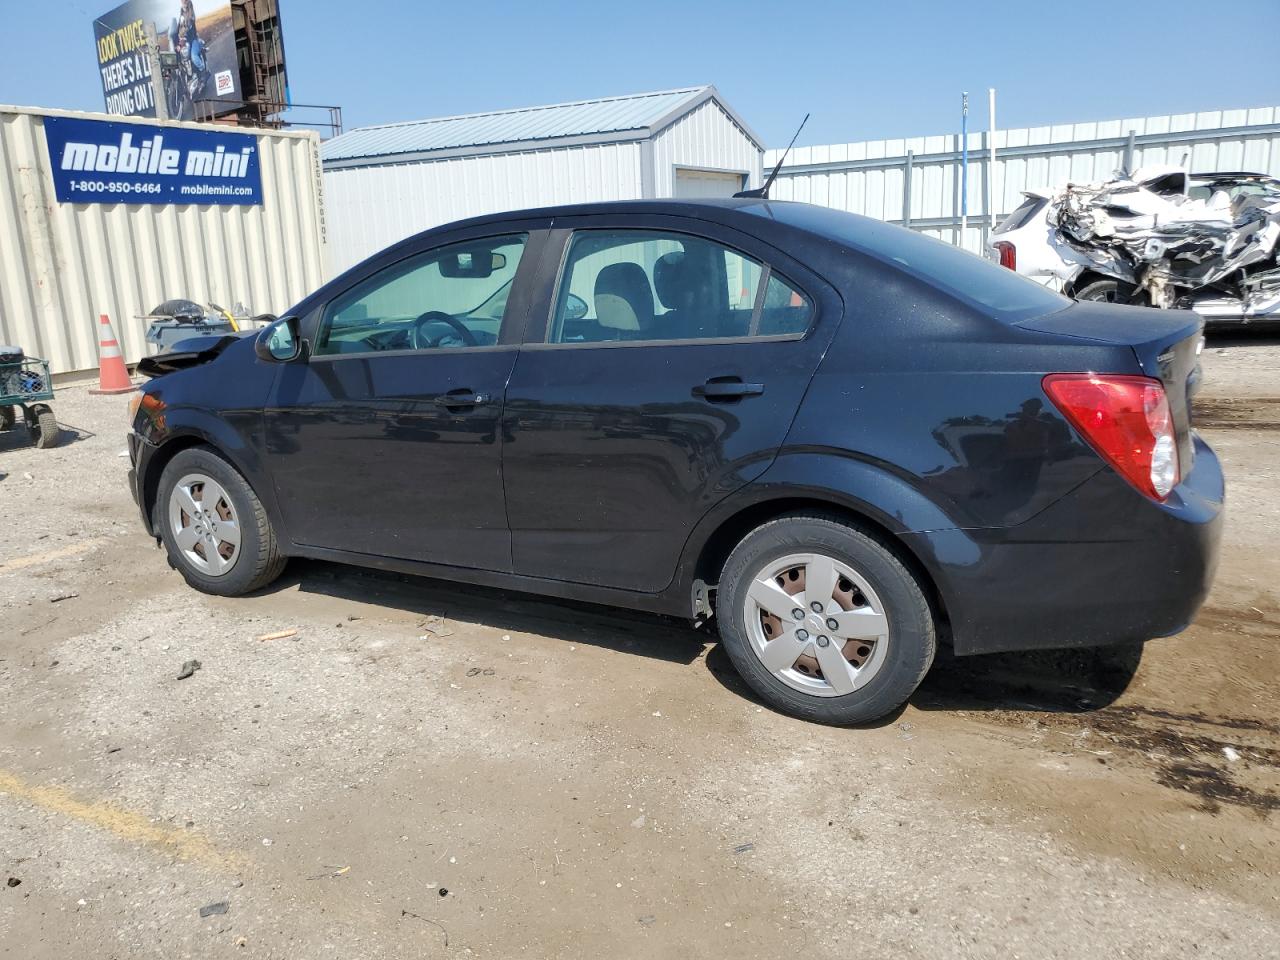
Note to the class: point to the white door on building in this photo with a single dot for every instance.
(707, 183)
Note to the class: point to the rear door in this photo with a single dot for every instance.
(664, 364)
(385, 440)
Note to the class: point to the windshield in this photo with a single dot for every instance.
(975, 280)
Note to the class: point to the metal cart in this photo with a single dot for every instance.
(24, 382)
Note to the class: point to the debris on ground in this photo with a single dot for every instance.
(647, 919)
(12, 882)
(1231, 753)
(434, 923)
(189, 668)
(744, 848)
(215, 908)
(332, 872)
(278, 635)
(435, 625)
(63, 596)
(478, 671)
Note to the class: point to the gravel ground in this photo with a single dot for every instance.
(431, 770)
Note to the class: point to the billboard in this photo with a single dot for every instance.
(101, 161)
(197, 42)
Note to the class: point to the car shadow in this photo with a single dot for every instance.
(1042, 681)
(1263, 334)
(625, 631)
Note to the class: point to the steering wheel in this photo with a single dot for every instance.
(421, 342)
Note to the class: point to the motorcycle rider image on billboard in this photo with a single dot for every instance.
(196, 39)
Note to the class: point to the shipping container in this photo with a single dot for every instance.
(64, 262)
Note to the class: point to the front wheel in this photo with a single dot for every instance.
(44, 428)
(824, 621)
(214, 527)
(1110, 291)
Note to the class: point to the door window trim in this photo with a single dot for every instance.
(766, 271)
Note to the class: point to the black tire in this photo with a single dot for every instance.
(911, 641)
(44, 428)
(1108, 291)
(259, 560)
(7, 418)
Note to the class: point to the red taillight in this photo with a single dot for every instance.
(1008, 254)
(1127, 420)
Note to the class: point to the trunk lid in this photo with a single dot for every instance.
(1166, 344)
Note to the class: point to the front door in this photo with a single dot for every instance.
(671, 365)
(385, 441)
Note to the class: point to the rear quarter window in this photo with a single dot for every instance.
(1022, 215)
(967, 277)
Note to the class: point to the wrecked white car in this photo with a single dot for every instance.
(1162, 237)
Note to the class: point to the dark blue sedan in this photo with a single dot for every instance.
(842, 440)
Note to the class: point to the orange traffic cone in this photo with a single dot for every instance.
(113, 376)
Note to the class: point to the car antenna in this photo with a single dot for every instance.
(762, 193)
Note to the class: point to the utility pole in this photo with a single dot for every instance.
(157, 80)
(964, 167)
(991, 160)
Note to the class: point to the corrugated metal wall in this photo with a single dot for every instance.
(62, 264)
(374, 206)
(917, 179)
(705, 138)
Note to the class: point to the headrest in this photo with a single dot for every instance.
(673, 279)
(624, 299)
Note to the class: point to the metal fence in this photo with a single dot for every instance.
(915, 181)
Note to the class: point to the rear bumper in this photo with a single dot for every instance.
(1103, 565)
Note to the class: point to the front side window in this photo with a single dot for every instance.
(647, 285)
(453, 296)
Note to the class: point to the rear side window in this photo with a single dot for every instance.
(646, 285)
(986, 286)
(1022, 215)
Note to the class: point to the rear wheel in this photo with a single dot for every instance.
(824, 621)
(214, 527)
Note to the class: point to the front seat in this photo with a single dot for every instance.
(624, 302)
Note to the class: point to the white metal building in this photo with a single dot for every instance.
(64, 263)
(384, 183)
(916, 180)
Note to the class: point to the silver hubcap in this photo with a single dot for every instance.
(816, 624)
(204, 524)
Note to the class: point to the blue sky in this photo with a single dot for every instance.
(864, 70)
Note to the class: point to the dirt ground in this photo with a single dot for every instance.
(429, 770)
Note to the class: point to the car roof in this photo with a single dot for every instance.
(709, 209)
(752, 215)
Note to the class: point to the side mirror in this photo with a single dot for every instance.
(575, 308)
(280, 342)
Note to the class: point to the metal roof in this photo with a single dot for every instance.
(607, 118)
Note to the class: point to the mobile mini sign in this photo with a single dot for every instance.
(96, 161)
